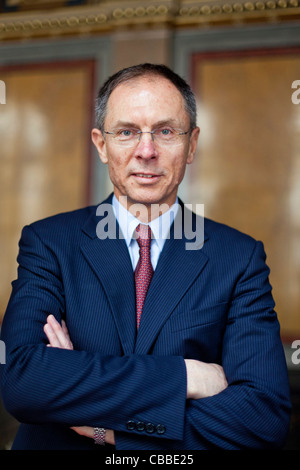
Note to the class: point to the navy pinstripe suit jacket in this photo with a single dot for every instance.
(213, 304)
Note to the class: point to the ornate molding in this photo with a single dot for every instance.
(211, 11)
(106, 16)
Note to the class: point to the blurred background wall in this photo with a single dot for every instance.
(242, 59)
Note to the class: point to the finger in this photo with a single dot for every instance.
(54, 332)
(63, 340)
(66, 332)
(52, 338)
(64, 328)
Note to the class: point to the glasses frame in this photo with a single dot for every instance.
(139, 135)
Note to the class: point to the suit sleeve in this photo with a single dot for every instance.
(254, 411)
(73, 388)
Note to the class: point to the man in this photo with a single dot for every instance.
(192, 360)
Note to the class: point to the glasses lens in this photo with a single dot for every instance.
(165, 135)
(168, 136)
(126, 135)
(162, 136)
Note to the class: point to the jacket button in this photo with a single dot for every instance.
(160, 429)
(150, 428)
(130, 425)
(140, 426)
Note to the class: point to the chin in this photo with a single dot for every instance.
(146, 197)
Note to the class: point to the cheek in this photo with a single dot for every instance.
(178, 169)
(117, 163)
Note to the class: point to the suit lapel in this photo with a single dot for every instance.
(110, 260)
(176, 271)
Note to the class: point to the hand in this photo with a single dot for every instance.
(204, 380)
(58, 337)
(57, 334)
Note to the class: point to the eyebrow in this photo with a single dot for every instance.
(164, 122)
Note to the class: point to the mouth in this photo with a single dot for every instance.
(146, 177)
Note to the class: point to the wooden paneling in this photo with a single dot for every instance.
(248, 167)
(44, 156)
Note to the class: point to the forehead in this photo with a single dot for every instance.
(152, 96)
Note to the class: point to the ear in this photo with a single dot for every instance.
(193, 144)
(100, 144)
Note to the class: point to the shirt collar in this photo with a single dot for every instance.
(160, 226)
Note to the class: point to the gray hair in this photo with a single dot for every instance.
(141, 70)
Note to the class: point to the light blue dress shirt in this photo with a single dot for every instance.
(160, 230)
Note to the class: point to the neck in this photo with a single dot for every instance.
(145, 213)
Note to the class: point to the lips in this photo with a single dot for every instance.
(144, 175)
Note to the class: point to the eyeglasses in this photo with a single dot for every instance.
(162, 136)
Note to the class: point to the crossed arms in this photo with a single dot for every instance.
(203, 380)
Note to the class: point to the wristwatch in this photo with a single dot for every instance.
(99, 436)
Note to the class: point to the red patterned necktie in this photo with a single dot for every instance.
(144, 271)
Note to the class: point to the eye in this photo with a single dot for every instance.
(166, 131)
(125, 133)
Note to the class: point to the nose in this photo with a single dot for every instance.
(146, 148)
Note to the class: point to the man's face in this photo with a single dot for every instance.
(148, 172)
